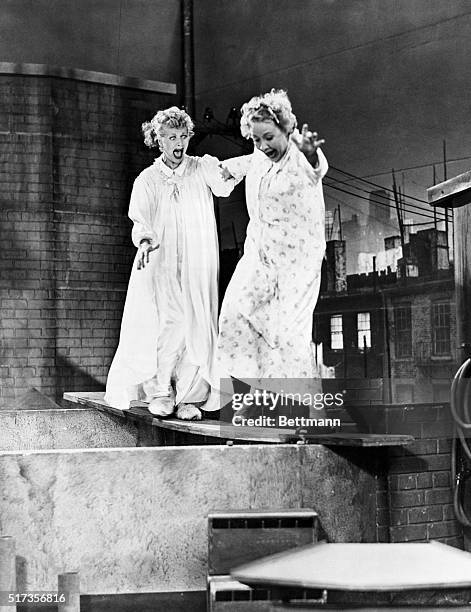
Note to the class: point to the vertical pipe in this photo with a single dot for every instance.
(7, 572)
(444, 161)
(452, 214)
(69, 584)
(188, 57)
(446, 208)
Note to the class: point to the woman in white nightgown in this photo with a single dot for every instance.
(169, 326)
(265, 324)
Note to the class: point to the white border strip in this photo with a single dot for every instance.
(77, 74)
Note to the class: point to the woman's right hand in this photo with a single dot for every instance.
(308, 142)
(225, 174)
(143, 253)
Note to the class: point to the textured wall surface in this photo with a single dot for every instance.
(134, 520)
(64, 428)
(69, 153)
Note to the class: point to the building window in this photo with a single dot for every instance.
(403, 331)
(364, 330)
(441, 328)
(336, 332)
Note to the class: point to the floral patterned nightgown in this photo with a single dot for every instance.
(265, 324)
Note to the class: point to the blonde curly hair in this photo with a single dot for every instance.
(172, 117)
(272, 106)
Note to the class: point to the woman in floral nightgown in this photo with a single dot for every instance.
(265, 324)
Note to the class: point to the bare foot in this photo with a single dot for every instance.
(188, 412)
(161, 406)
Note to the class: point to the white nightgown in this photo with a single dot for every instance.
(170, 315)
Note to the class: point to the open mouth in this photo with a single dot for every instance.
(178, 153)
(271, 154)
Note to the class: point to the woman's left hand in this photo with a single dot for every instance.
(225, 174)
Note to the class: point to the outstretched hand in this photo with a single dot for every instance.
(143, 254)
(308, 142)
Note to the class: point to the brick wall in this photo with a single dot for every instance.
(414, 500)
(70, 151)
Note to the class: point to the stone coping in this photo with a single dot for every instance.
(90, 76)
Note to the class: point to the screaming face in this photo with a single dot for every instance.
(269, 139)
(173, 143)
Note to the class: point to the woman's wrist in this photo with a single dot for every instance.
(313, 159)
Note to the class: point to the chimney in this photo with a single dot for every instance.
(429, 249)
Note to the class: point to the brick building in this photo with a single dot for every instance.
(70, 150)
(390, 326)
(392, 338)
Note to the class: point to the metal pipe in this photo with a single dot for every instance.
(445, 176)
(188, 57)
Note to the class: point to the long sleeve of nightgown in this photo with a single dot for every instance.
(142, 211)
(212, 175)
(320, 170)
(238, 166)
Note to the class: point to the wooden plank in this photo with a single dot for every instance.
(226, 431)
(362, 567)
(208, 427)
(452, 193)
(92, 399)
(357, 439)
